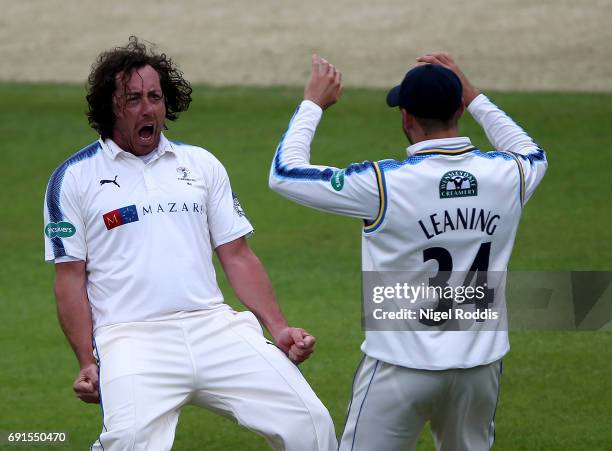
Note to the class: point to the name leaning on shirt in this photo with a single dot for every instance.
(461, 218)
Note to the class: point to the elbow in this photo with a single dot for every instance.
(59, 287)
(543, 160)
(61, 291)
(274, 182)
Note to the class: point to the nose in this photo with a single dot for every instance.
(147, 107)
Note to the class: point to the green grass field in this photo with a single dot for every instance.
(556, 385)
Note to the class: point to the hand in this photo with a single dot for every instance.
(325, 85)
(296, 343)
(444, 59)
(86, 384)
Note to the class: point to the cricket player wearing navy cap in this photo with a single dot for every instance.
(446, 208)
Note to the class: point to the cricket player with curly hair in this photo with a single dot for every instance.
(447, 209)
(132, 221)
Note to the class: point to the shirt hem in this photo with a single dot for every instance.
(416, 366)
(244, 232)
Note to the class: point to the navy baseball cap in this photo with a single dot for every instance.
(428, 91)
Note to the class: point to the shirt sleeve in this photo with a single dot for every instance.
(64, 226)
(227, 220)
(67, 259)
(351, 191)
(507, 136)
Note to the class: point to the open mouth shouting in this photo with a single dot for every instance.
(146, 134)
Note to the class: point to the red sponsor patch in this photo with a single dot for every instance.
(112, 219)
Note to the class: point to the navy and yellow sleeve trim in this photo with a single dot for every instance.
(370, 227)
(521, 178)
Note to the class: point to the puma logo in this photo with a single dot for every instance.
(103, 181)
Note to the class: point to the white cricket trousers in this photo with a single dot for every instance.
(216, 359)
(391, 404)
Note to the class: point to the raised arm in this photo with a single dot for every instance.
(501, 130)
(351, 191)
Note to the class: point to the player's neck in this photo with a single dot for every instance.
(417, 136)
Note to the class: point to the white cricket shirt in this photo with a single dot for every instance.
(445, 207)
(145, 231)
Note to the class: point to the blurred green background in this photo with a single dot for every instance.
(556, 385)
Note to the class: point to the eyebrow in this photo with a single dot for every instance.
(151, 91)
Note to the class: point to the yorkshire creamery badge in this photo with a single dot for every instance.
(458, 184)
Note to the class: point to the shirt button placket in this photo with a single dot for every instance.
(148, 178)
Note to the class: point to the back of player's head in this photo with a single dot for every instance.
(122, 61)
(429, 92)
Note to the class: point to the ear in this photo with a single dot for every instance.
(460, 112)
(117, 107)
(454, 121)
(407, 119)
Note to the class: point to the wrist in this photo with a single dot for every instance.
(86, 360)
(84, 365)
(469, 95)
(277, 329)
(313, 101)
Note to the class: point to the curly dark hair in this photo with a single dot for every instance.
(101, 83)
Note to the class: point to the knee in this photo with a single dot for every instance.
(119, 438)
(322, 419)
(129, 435)
(312, 429)
(133, 434)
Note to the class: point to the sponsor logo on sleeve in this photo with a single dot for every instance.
(337, 180)
(458, 184)
(61, 229)
(121, 216)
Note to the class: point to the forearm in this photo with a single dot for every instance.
(322, 90)
(248, 278)
(252, 286)
(501, 130)
(507, 136)
(294, 148)
(74, 314)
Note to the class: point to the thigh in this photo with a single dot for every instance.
(144, 381)
(389, 406)
(245, 377)
(465, 419)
